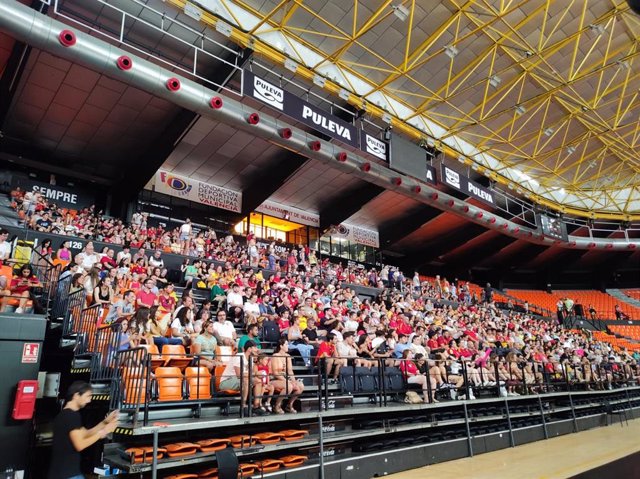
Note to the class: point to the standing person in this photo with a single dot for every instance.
(185, 236)
(70, 438)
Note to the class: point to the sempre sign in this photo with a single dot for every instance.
(62, 196)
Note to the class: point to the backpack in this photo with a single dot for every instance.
(270, 332)
(412, 397)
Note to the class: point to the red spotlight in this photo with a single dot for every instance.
(124, 63)
(67, 38)
(315, 145)
(573, 243)
(492, 220)
(609, 246)
(342, 156)
(417, 189)
(450, 203)
(285, 133)
(397, 181)
(505, 226)
(516, 230)
(216, 102)
(173, 84)
(479, 214)
(592, 245)
(465, 208)
(631, 246)
(365, 167)
(434, 196)
(253, 119)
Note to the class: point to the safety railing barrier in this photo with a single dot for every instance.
(131, 381)
(107, 343)
(75, 303)
(86, 329)
(60, 301)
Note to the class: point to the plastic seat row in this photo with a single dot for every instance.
(144, 454)
(249, 469)
(367, 380)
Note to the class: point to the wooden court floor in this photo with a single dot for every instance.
(558, 458)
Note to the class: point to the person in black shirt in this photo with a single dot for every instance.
(70, 437)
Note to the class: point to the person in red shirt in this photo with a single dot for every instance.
(327, 350)
(19, 287)
(413, 376)
(145, 298)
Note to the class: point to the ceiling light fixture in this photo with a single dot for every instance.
(571, 149)
(386, 118)
(494, 81)
(387, 133)
(401, 12)
(451, 51)
(597, 28)
(223, 28)
(344, 94)
(520, 110)
(431, 143)
(319, 81)
(549, 131)
(461, 159)
(623, 64)
(291, 65)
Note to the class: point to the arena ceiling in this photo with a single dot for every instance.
(540, 96)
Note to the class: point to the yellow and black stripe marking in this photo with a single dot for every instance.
(124, 431)
(100, 397)
(80, 370)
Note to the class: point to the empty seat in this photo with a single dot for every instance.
(170, 382)
(198, 382)
(174, 355)
(156, 359)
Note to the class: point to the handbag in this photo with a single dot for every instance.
(412, 397)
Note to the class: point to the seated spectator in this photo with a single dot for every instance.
(145, 297)
(224, 330)
(159, 331)
(263, 371)
(103, 294)
(156, 261)
(123, 308)
(183, 327)
(87, 258)
(284, 381)
(252, 335)
(413, 376)
(19, 289)
(204, 346)
(346, 350)
(401, 346)
(299, 341)
(236, 372)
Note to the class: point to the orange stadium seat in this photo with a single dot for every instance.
(198, 382)
(169, 380)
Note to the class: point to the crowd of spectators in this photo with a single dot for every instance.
(314, 311)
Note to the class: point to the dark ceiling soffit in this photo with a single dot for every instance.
(14, 69)
(165, 142)
(473, 255)
(432, 250)
(393, 231)
(267, 182)
(347, 204)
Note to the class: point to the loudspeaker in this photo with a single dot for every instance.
(227, 463)
(578, 309)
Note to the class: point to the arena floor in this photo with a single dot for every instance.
(558, 458)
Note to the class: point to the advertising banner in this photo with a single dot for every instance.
(295, 215)
(198, 191)
(465, 185)
(300, 110)
(63, 196)
(374, 146)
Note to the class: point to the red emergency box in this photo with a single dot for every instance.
(25, 403)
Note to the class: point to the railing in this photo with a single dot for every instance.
(104, 352)
(61, 298)
(386, 381)
(86, 329)
(75, 303)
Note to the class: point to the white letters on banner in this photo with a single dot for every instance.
(198, 191)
